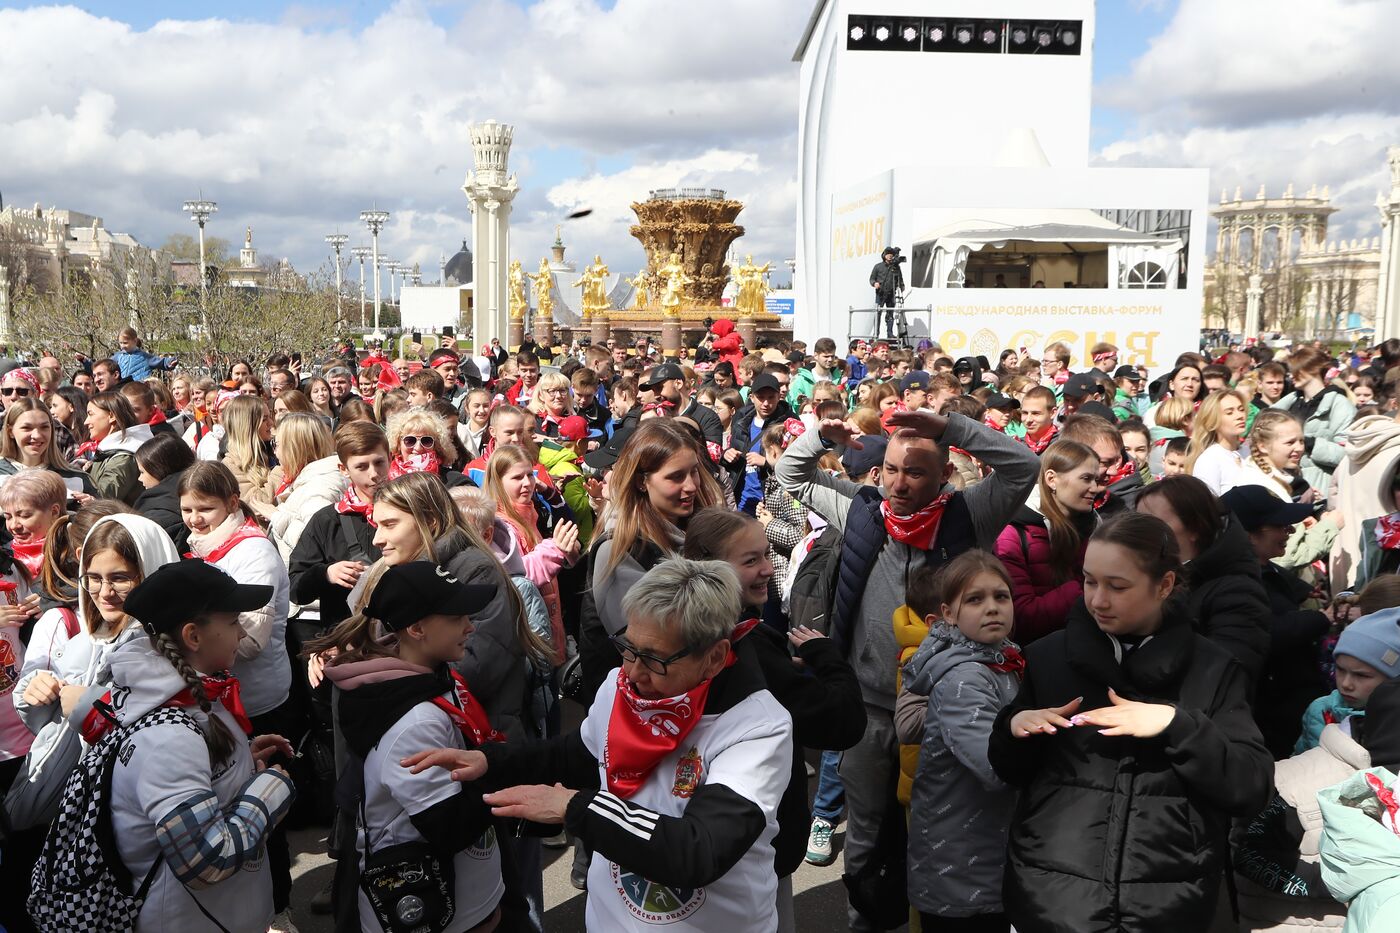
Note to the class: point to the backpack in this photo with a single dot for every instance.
(814, 585)
(80, 882)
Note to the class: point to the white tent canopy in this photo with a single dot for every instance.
(1137, 260)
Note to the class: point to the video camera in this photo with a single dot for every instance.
(898, 257)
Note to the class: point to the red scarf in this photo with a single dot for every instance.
(84, 449)
(157, 417)
(351, 504)
(1125, 469)
(249, 529)
(414, 463)
(467, 715)
(30, 554)
(283, 487)
(223, 688)
(917, 530)
(1387, 531)
(1038, 446)
(1012, 662)
(642, 732)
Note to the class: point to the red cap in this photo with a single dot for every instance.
(573, 428)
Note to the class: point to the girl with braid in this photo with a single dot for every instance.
(193, 801)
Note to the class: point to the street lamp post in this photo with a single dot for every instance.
(375, 220)
(200, 211)
(361, 253)
(337, 242)
(393, 265)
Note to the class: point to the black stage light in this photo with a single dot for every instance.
(860, 33)
(1046, 37)
(908, 34)
(979, 35)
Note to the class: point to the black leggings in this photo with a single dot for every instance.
(978, 923)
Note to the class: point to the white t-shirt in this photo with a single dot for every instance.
(1219, 468)
(393, 794)
(747, 748)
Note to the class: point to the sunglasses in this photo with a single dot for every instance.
(21, 391)
(426, 441)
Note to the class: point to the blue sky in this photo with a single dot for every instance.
(294, 116)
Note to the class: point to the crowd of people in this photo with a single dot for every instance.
(1065, 648)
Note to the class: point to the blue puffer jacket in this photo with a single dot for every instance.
(1319, 713)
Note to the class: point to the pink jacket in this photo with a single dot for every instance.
(1042, 605)
(540, 564)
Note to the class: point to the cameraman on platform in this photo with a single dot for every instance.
(888, 281)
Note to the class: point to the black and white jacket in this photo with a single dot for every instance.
(695, 844)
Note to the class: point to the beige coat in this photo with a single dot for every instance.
(1297, 780)
(1363, 488)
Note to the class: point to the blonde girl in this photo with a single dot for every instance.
(307, 478)
(1217, 436)
(248, 429)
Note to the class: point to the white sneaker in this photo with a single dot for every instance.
(819, 851)
(282, 923)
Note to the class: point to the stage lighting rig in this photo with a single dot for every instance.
(1045, 37)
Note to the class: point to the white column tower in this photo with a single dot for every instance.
(1388, 288)
(490, 189)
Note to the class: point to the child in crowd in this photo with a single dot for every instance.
(965, 671)
(399, 695)
(1136, 442)
(1174, 454)
(191, 804)
(337, 545)
(1367, 653)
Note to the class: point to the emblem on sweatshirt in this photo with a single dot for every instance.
(483, 847)
(688, 771)
(655, 903)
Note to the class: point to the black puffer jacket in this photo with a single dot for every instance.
(1120, 833)
(161, 504)
(1228, 599)
(1292, 677)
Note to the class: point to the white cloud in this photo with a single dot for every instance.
(1269, 92)
(295, 126)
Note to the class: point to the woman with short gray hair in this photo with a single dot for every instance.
(679, 766)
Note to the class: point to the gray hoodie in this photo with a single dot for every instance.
(959, 811)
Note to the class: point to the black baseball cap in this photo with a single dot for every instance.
(1128, 372)
(604, 457)
(1256, 507)
(664, 372)
(997, 400)
(918, 379)
(176, 593)
(1081, 384)
(409, 592)
(765, 381)
(870, 455)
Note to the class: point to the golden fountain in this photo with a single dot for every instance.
(686, 233)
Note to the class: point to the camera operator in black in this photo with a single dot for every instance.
(888, 280)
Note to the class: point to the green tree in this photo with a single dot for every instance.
(186, 246)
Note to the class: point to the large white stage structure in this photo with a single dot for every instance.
(987, 175)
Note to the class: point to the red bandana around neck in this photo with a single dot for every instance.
(1012, 662)
(467, 714)
(351, 504)
(1125, 469)
(85, 449)
(284, 486)
(1387, 532)
(249, 529)
(917, 530)
(223, 688)
(641, 732)
(1038, 445)
(414, 463)
(30, 554)
(157, 417)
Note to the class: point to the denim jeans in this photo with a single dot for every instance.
(830, 800)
